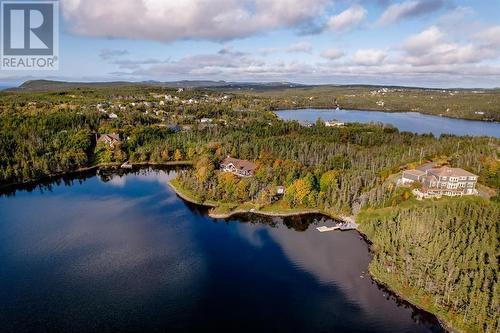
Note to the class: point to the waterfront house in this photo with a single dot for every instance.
(110, 140)
(240, 168)
(444, 181)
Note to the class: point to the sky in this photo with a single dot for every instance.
(428, 43)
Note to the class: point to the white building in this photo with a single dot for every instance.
(443, 181)
(334, 123)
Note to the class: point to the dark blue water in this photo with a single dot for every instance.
(125, 254)
(404, 121)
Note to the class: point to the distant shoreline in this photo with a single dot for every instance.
(384, 111)
(117, 165)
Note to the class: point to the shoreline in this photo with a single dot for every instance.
(228, 215)
(384, 111)
(235, 212)
(381, 284)
(117, 165)
(404, 299)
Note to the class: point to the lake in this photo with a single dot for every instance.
(122, 253)
(404, 121)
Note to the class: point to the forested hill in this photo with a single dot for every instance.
(442, 255)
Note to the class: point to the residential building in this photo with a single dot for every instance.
(444, 181)
(334, 123)
(111, 140)
(241, 168)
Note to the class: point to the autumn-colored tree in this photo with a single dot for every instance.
(177, 155)
(204, 169)
(164, 155)
(303, 188)
(327, 179)
(191, 153)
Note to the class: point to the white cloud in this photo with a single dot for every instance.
(300, 47)
(490, 36)
(368, 57)
(348, 19)
(187, 19)
(432, 47)
(424, 41)
(410, 8)
(332, 54)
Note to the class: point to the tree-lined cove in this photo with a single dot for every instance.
(124, 253)
(438, 253)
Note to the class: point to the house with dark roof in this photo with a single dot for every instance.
(240, 168)
(110, 140)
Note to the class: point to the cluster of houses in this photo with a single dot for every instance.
(332, 123)
(160, 100)
(156, 109)
(443, 181)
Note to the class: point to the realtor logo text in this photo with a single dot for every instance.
(30, 35)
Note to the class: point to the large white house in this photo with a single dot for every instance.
(443, 181)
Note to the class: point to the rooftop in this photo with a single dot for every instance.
(427, 166)
(239, 164)
(417, 173)
(451, 172)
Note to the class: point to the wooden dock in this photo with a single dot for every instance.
(127, 165)
(327, 229)
(341, 226)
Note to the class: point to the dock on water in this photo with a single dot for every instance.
(327, 229)
(126, 165)
(342, 227)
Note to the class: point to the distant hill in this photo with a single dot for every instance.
(48, 85)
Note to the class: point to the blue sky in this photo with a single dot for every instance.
(435, 43)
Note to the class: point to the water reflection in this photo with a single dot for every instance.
(123, 253)
(404, 121)
(338, 260)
